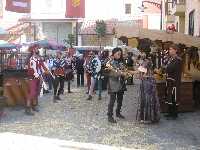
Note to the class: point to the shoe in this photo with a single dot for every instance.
(70, 92)
(111, 120)
(29, 112)
(62, 92)
(171, 118)
(120, 116)
(35, 108)
(58, 98)
(167, 115)
(46, 91)
(55, 99)
(86, 92)
(89, 98)
(99, 98)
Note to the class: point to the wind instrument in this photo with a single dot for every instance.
(122, 70)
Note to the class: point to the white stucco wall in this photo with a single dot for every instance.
(154, 21)
(57, 31)
(48, 9)
(190, 6)
(107, 9)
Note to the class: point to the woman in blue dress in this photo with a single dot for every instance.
(148, 110)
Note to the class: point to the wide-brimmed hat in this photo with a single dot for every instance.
(33, 48)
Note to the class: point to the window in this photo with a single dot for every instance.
(174, 2)
(177, 27)
(191, 23)
(127, 8)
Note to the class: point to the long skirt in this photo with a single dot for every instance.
(148, 110)
(34, 88)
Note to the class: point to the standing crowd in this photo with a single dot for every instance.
(100, 69)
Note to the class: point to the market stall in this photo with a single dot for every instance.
(13, 74)
(159, 42)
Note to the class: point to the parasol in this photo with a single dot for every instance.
(49, 44)
(3, 32)
(4, 45)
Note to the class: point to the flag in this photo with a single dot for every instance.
(19, 6)
(75, 9)
(1, 8)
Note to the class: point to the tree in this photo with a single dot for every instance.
(100, 30)
(70, 40)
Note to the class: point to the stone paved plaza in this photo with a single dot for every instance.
(77, 120)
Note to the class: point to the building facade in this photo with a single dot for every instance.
(124, 10)
(192, 17)
(184, 14)
(49, 20)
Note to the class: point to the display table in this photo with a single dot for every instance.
(15, 88)
(185, 103)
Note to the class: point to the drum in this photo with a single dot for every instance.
(13, 91)
(8, 92)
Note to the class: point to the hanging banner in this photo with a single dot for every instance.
(19, 6)
(75, 9)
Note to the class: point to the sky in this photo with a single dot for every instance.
(111, 8)
(95, 9)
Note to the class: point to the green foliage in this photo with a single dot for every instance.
(70, 40)
(100, 28)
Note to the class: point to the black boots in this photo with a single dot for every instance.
(99, 98)
(28, 111)
(111, 119)
(56, 99)
(35, 108)
(120, 116)
(89, 98)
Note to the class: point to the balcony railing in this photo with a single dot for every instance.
(175, 2)
(178, 7)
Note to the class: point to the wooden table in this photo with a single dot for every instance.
(186, 102)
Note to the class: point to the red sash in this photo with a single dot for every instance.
(59, 72)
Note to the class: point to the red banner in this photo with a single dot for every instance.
(75, 9)
(19, 6)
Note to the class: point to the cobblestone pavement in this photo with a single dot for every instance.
(74, 118)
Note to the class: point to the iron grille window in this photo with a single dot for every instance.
(127, 8)
(191, 23)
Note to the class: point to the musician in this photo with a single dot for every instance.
(116, 85)
(94, 67)
(68, 70)
(174, 71)
(35, 70)
(87, 71)
(59, 73)
(80, 70)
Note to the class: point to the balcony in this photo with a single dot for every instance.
(170, 19)
(179, 8)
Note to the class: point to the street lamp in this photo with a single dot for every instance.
(158, 5)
